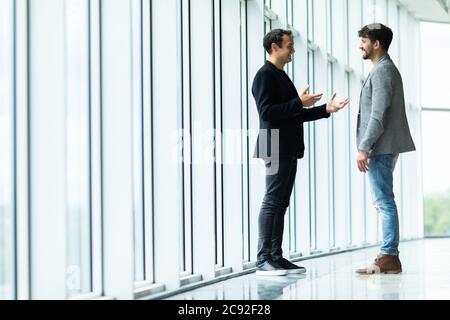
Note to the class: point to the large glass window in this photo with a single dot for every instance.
(436, 187)
(7, 209)
(79, 263)
(435, 49)
(436, 117)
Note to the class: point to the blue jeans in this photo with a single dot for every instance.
(381, 169)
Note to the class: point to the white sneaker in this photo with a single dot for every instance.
(268, 269)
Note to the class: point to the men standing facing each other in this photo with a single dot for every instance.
(382, 134)
(280, 144)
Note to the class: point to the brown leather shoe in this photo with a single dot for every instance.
(383, 264)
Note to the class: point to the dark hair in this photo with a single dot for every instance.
(275, 36)
(377, 31)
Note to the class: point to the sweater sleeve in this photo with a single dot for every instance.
(316, 113)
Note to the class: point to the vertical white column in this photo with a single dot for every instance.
(117, 149)
(410, 178)
(300, 71)
(165, 89)
(404, 65)
(148, 141)
(232, 91)
(340, 158)
(279, 7)
(203, 195)
(96, 147)
(47, 149)
(357, 179)
(417, 181)
(321, 141)
(381, 12)
(392, 22)
(22, 205)
(138, 177)
(218, 119)
(244, 126)
(255, 60)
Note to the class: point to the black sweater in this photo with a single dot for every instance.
(280, 107)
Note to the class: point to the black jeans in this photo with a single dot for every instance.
(271, 217)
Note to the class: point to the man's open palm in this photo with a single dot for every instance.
(334, 106)
(309, 100)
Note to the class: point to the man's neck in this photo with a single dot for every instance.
(277, 63)
(376, 58)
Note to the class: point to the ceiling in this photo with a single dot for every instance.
(429, 10)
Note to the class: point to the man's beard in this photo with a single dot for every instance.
(367, 55)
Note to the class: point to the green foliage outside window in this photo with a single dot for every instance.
(437, 214)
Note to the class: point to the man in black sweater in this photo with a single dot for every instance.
(280, 144)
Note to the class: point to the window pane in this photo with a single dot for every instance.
(79, 269)
(436, 186)
(6, 152)
(436, 189)
(435, 49)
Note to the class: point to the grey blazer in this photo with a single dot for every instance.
(382, 123)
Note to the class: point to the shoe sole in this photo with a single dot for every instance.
(393, 272)
(271, 273)
(384, 272)
(296, 271)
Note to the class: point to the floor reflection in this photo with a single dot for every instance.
(425, 276)
(271, 288)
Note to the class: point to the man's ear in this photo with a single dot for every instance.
(377, 44)
(275, 47)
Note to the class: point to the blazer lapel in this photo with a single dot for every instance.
(360, 95)
(368, 77)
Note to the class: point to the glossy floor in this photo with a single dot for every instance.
(426, 275)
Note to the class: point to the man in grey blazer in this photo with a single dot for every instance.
(382, 134)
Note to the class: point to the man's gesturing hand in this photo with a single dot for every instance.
(309, 100)
(334, 106)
